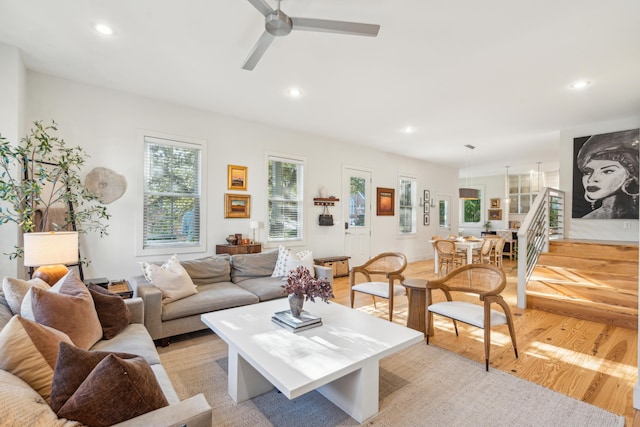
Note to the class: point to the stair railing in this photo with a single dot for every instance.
(545, 220)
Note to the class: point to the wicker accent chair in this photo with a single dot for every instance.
(448, 257)
(483, 255)
(498, 248)
(487, 282)
(387, 266)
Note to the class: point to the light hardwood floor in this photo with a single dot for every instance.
(590, 361)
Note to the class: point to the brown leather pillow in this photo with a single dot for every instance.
(101, 389)
(112, 311)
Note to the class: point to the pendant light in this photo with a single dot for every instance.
(466, 192)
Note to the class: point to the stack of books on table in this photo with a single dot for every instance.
(296, 324)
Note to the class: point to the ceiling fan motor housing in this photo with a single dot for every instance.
(278, 23)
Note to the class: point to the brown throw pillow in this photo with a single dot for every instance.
(72, 367)
(70, 311)
(29, 351)
(112, 311)
(116, 390)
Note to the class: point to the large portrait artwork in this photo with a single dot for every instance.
(605, 176)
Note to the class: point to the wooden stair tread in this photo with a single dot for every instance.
(579, 277)
(592, 294)
(626, 251)
(627, 268)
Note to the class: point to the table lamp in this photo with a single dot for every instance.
(53, 248)
(253, 225)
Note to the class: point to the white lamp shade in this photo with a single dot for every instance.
(50, 248)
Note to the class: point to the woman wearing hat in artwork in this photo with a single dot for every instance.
(609, 167)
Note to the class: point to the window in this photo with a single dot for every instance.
(173, 202)
(522, 192)
(285, 194)
(472, 209)
(407, 201)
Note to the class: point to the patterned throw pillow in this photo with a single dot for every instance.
(280, 269)
(16, 289)
(303, 258)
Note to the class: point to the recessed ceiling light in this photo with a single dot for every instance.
(294, 92)
(408, 129)
(104, 29)
(580, 84)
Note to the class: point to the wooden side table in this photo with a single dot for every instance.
(239, 249)
(417, 290)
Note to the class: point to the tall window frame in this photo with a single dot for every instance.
(407, 204)
(173, 186)
(285, 199)
(523, 190)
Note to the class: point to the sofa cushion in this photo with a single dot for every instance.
(265, 288)
(71, 310)
(112, 311)
(171, 278)
(29, 351)
(5, 311)
(216, 296)
(15, 290)
(133, 339)
(301, 259)
(211, 269)
(115, 390)
(248, 266)
(21, 405)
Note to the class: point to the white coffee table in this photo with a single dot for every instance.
(339, 359)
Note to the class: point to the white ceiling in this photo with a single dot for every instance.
(492, 73)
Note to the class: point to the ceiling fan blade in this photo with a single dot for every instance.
(258, 50)
(262, 6)
(340, 27)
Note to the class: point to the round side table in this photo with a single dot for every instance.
(417, 290)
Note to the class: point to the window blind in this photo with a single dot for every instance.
(285, 198)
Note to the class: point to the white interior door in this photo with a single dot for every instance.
(443, 205)
(356, 194)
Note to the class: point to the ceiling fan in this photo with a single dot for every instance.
(278, 24)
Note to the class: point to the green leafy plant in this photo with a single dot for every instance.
(487, 225)
(42, 173)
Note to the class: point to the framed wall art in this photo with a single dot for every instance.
(426, 219)
(237, 205)
(385, 201)
(236, 177)
(495, 203)
(495, 214)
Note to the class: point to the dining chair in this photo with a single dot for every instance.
(487, 282)
(498, 248)
(513, 244)
(388, 266)
(448, 257)
(483, 255)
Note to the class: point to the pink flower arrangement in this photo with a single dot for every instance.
(300, 282)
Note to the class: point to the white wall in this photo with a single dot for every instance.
(12, 100)
(596, 229)
(104, 123)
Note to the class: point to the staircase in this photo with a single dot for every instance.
(590, 280)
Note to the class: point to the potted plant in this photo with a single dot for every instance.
(41, 173)
(487, 226)
(301, 286)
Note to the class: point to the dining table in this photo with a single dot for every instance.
(467, 245)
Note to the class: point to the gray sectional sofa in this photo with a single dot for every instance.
(22, 405)
(223, 281)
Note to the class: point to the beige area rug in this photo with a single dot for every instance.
(420, 386)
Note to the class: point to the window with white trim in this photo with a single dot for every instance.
(407, 204)
(286, 199)
(173, 195)
(471, 209)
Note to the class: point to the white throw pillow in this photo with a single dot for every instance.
(16, 289)
(171, 278)
(303, 258)
(26, 310)
(281, 264)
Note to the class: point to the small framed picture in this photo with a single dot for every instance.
(427, 196)
(495, 214)
(426, 219)
(426, 206)
(237, 205)
(236, 177)
(495, 203)
(385, 201)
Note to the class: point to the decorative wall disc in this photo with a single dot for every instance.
(108, 185)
